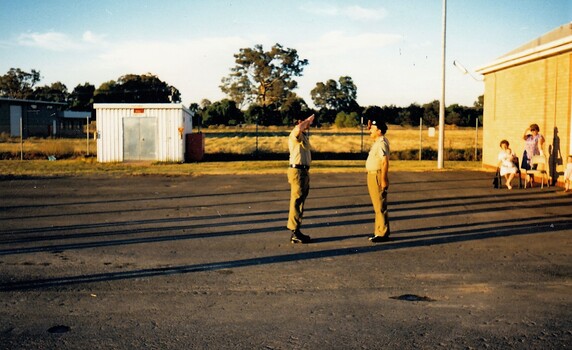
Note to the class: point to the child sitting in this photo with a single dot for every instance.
(568, 175)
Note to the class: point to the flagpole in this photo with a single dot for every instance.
(442, 102)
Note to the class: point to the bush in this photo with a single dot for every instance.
(344, 120)
(413, 154)
(57, 149)
(5, 137)
(431, 154)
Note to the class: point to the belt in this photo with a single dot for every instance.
(373, 171)
(300, 166)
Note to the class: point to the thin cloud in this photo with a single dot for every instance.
(337, 42)
(321, 9)
(359, 13)
(56, 41)
(92, 38)
(353, 12)
(141, 55)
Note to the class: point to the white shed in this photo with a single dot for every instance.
(131, 132)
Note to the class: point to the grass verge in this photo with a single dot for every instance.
(79, 167)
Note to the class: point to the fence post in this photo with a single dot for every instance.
(420, 137)
(476, 137)
(87, 136)
(21, 139)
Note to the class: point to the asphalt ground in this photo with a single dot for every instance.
(205, 262)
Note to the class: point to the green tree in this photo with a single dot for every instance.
(194, 107)
(372, 111)
(254, 113)
(479, 103)
(202, 107)
(410, 115)
(81, 98)
(18, 84)
(222, 112)
(391, 113)
(338, 96)
(454, 118)
(132, 88)
(431, 113)
(479, 107)
(106, 92)
(205, 102)
(347, 95)
(459, 115)
(326, 116)
(324, 94)
(56, 92)
(196, 112)
(263, 77)
(347, 120)
(293, 109)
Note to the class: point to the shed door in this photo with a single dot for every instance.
(139, 138)
(15, 116)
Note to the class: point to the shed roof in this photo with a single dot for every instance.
(140, 105)
(76, 114)
(10, 99)
(552, 43)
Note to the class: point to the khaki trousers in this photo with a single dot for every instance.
(379, 202)
(299, 180)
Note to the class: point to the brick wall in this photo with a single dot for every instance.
(535, 92)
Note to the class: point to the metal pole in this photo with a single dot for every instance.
(87, 136)
(361, 126)
(476, 137)
(420, 137)
(21, 140)
(442, 102)
(256, 152)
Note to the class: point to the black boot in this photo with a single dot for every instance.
(299, 237)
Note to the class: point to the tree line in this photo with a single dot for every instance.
(259, 90)
(130, 88)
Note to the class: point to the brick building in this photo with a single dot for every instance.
(31, 118)
(531, 84)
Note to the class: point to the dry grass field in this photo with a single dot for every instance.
(40, 146)
(270, 140)
(335, 140)
(71, 160)
(78, 167)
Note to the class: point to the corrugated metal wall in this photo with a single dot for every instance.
(173, 122)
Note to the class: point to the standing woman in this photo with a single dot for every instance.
(533, 145)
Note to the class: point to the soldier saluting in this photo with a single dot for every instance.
(299, 177)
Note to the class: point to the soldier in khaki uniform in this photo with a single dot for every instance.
(299, 177)
(377, 166)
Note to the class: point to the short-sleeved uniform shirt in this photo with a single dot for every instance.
(300, 153)
(379, 149)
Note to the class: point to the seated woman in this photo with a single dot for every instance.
(506, 163)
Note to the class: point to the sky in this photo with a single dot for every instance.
(391, 49)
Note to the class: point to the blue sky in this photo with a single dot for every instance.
(391, 49)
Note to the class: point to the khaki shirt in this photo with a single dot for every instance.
(379, 149)
(299, 148)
